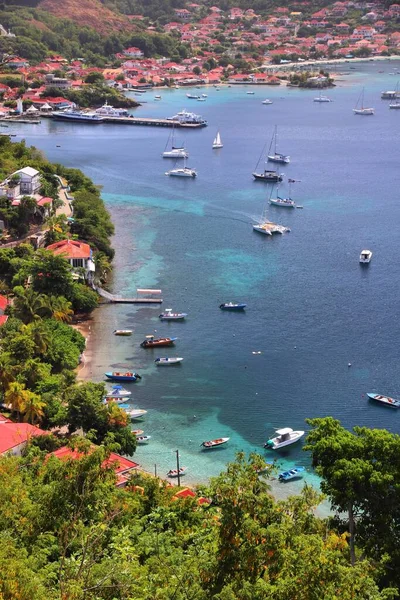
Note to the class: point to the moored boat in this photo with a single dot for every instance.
(182, 171)
(232, 306)
(192, 96)
(143, 439)
(174, 151)
(267, 101)
(123, 332)
(152, 342)
(284, 202)
(135, 413)
(214, 443)
(284, 438)
(122, 376)
(294, 473)
(175, 472)
(322, 98)
(166, 361)
(365, 257)
(217, 143)
(360, 109)
(276, 156)
(168, 315)
(386, 400)
(77, 115)
(268, 176)
(117, 391)
(137, 431)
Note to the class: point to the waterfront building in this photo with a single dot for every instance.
(78, 254)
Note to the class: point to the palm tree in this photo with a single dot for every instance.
(4, 288)
(33, 408)
(15, 396)
(60, 308)
(116, 416)
(102, 266)
(39, 335)
(56, 229)
(29, 305)
(6, 371)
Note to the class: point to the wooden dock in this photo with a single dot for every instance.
(137, 300)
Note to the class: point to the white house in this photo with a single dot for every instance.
(28, 185)
(78, 254)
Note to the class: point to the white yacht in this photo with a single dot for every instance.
(266, 101)
(109, 111)
(276, 156)
(322, 98)
(182, 172)
(365, 257)
(188, 118)
(217, 143)
(174, 151)
(360, 109)
(284, 438)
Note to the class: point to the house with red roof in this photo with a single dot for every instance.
(78, 254)
(15, 436)
(122, 466)
(3, 306)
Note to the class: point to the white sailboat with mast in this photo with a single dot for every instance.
(284, 202)
(266, 175)
(217, 143)
(265, 226)
(360, 109)
(276, 156)
(396, 103)
(175, 151)
(182, 171)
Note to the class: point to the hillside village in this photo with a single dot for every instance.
(231, 46)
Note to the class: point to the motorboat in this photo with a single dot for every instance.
(157, 97)
(217, 143)
(152, 342)
(166, 361)
(365, 257)
(276, 156)
(135, 413)
(201, 99)
(295, 473)
(250, 93)
(109, 111)
(168, 315)
(322, 98)
(390, 95)
(386, 400)
(186, 119)
(285, 437)
(360, 109)
(117, 391)
(267, 101)
(204, 96)
(123, 332)
(176, 473)
(137, 431)
(122, 376)
(71, 114)
(182, 171)
(268, 176)
(214, 443)
(192, 96)
(143, 439)
(232, 306)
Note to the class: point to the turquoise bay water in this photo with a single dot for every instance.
(311, 308)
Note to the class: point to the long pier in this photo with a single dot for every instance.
(150, 122)
(137, 300)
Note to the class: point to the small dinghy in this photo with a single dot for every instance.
(137, 431)
(123, 332)
(143, 439)
(385, 400)
(175, 472)
(117, 391)
(165, 361)
(214, 443)
(232, 306)
(135, 413)
(168, 315)
(152, 342)
(294, 473)
(121, 376)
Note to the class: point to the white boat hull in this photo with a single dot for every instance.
(283, 203)
(285, 160)
(165, 362)
(275, 444)
(176, 154)
(182, 173)
(262, 229)
(364, 111)
(215, 146)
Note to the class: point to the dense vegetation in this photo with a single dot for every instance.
(39, 350)
(68, 532)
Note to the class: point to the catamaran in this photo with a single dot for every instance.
(277, 156)
(217, 143)
(284, 202)
(322, 98)
(360, 109)
(182, 171)
(175, 151)
(267, 227)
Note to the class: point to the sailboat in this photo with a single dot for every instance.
(284, 202)
(176, 151)
(362, 110)
(276, 156)
(266, 175)
(322, 98)
(266, 227)
(217, 143)
(396, 103)
(182, 171)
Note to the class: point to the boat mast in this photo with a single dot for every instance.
(177, 467)
(276, 136)
(261, 155)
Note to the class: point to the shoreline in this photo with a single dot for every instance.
(84, 368)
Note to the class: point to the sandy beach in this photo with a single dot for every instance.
(84, 326)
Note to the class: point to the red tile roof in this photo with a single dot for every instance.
(70, 249)
(3, 302)
(3, 319)
(120, 464)
(14, 434)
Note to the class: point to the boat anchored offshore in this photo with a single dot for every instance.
(267, 101)
(151, 342)
(277, 156)
(166, 361)
(123, 332)
(176, 473)
(322, 98)
(117, 391)
(135, 413)
(285, 437)
(143, 439)
(365, 257)
(182, 171)
(232, 306)
(266, 227)
(175, 151)
(360, 109)
(214, 443)
(168, 315)
(294, 473)
(284, 202)
(217, 143)
(121, 376)
(386, 400)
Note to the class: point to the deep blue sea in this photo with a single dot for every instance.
(312, 309)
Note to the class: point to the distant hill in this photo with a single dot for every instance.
(91, 13)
